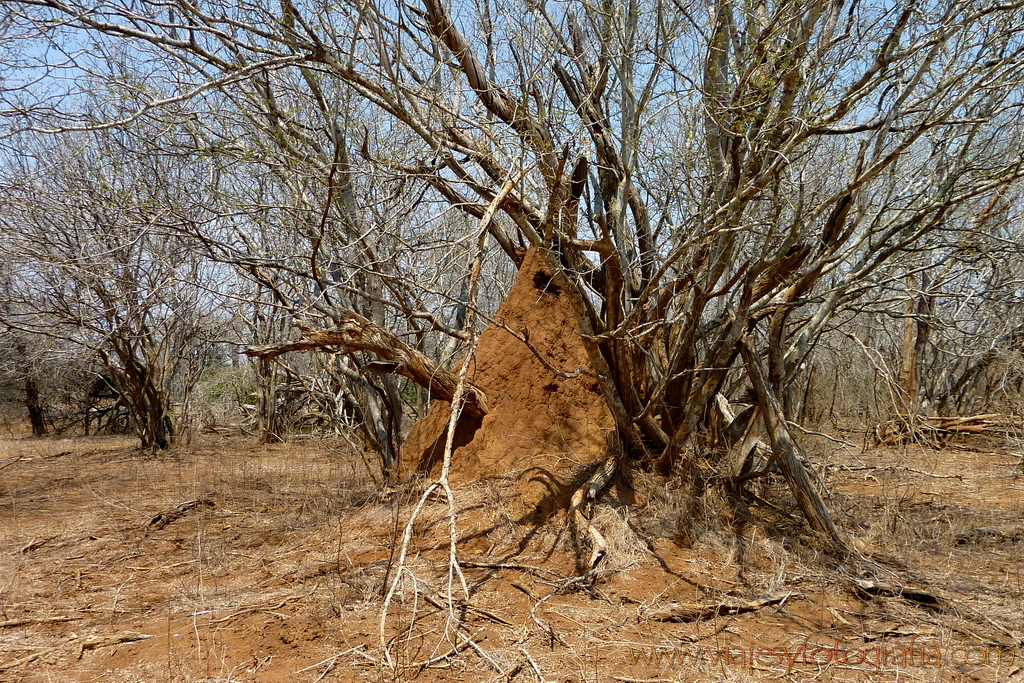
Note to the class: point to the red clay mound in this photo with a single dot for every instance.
(540, 427)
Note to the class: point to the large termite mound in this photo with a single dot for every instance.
(541, 428)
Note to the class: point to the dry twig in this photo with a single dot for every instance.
(13, 623)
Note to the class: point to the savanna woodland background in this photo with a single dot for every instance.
(728, 300)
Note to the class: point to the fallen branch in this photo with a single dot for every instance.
(486, 614)
(932, 601)
(467, 642)
(176, 513)
(974, 535)
(533, 664)
(585, 580)
(11, 462)
(96, 642)
(886, 589)
(924, 428)
(684, 613)
(262, 608)
(334, 658)
(894, 633)
(14, 623)
(35, 544)
(513, 567)
(483, 655)
(14, 663)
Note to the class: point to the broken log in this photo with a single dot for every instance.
(680, 612)
(926, 428)
(352, 332)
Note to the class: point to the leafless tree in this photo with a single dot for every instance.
(21, 365)
(713, 188)
(90, 265)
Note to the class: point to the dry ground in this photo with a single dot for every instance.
(277, 574)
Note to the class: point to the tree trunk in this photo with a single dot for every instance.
(784, 453)
(363, 395)
(149, 406)
(916, 329)
(268, 427)
(36, 413)
(955, 391)
(153, 406)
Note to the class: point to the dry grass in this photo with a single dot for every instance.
(286, 570)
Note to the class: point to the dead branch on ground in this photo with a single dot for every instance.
(13, 623)
(935, 429)
(684, 613)
(173, 514)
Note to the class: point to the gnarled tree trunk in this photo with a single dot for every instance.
(143, 390)
(36, 413)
